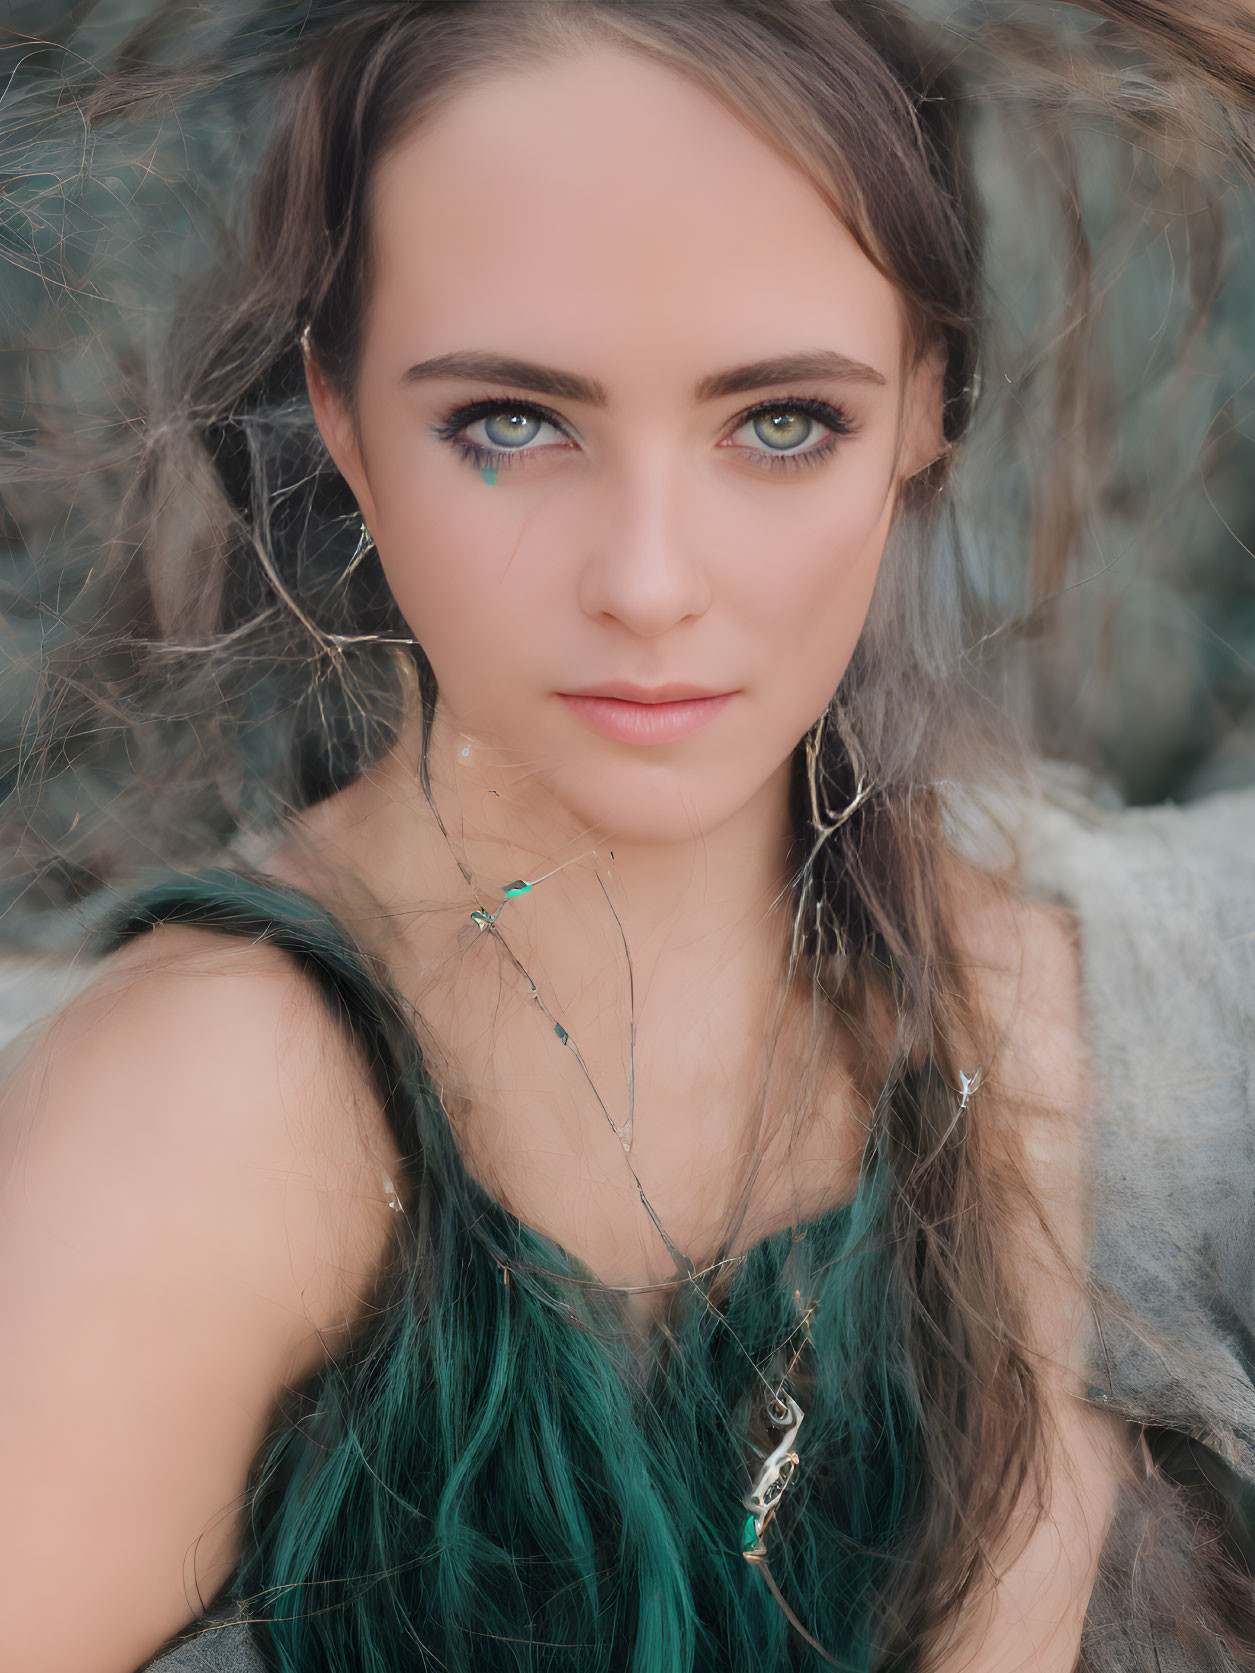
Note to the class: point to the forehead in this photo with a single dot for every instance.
(606, 213)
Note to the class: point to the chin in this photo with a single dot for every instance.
(649, 806)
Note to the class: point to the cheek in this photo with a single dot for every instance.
(457, 559)
(446, 565)
(455, 584)
(803, 577)
(487, 577)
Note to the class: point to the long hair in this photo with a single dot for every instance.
(226, 607)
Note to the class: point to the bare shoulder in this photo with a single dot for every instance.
(216, 1059)
(191, 1210)
(1022, 961)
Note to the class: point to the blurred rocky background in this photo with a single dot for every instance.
(1144, 657)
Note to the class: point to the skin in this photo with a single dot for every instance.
(657, 543)
(647, 537)
(536, 216)
(651, 535)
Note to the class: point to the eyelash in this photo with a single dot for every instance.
(451, 427)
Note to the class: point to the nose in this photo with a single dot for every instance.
(642, 568)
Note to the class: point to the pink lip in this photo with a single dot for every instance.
(658, 718)
(629, 692)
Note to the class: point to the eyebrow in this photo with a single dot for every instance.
(479, 367)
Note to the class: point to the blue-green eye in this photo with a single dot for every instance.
(790, 434)
(783, 434)
(784, 428)
(489, 434)
(511, 428)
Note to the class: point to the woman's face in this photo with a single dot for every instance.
(632, 414)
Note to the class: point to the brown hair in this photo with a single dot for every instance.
(849, 97)
(866, 107)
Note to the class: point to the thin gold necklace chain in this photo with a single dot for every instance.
(686, 1271)
(484, 920)
(782, 1412)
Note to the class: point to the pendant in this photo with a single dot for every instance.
(778, 1469)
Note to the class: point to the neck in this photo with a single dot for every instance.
(661, 964)
(678, 906)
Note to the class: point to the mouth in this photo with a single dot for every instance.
(636, 714)
(627, 691)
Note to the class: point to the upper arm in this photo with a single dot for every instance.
(190, 1206)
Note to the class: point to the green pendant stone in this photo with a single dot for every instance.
(749, 1535)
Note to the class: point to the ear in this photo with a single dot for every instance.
(923, 405)
(339, 433)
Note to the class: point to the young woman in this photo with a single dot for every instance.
(632, 1176)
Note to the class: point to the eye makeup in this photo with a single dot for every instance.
(453, 427)
(451, 430)
(835, 420)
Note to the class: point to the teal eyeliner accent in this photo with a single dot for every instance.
(501, 1473)
(489, 474)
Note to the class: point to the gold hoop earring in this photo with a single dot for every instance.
(824, 821)
(365, 545)
(822, 931)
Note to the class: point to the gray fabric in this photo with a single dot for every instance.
(1165, 906)
(225, 1647)
(1165, 902)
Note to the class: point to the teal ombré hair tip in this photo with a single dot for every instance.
(402, 1509)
